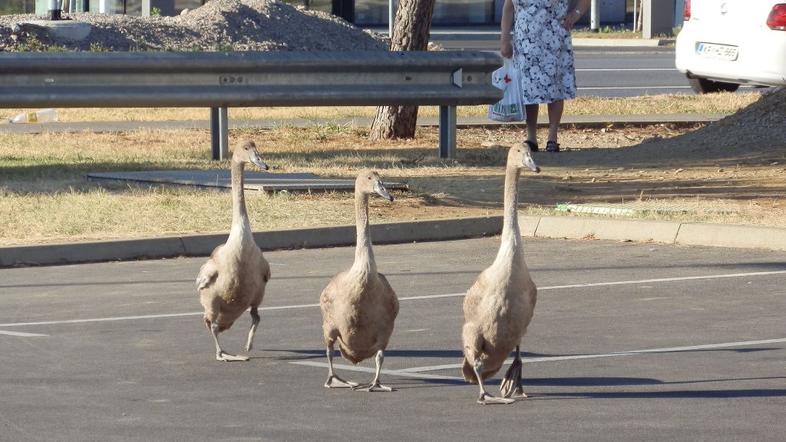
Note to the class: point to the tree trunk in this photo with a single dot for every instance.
(411, 33)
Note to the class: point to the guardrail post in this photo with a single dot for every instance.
(219, 132)
(447, 132)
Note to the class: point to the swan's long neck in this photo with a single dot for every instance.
(241, 226)
(364, 255)
(510, 249)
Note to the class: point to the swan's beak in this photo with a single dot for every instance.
(257, 161)
(381, 191)
(530, 164)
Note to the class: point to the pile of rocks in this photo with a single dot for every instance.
(755, 132)
(219, 25)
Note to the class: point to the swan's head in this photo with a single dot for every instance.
(246, 152)
(520, 156)
(368, 182)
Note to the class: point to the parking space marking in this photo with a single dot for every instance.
(418, 372)
(21, 334)
(403, 373)
(407, 298)
(526, 360)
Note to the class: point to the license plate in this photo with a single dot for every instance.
(717, 52)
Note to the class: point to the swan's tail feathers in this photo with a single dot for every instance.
(469, 373)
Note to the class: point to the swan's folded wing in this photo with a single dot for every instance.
(474, 296)
(207, 275)
(392, 298)
(265, 271)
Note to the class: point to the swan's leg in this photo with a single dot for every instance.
(485, 398)
(334, 381)
(511, 383)
(254, 323)
(220, 354)
(375, 385)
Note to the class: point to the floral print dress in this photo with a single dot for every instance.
(542, 51)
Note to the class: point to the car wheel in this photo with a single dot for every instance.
(704, 86)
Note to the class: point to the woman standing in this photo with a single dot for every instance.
(543, 54)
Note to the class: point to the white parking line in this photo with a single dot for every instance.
(20, 334)
(609, 88)
(623, 69)
(418, 372)
(371, 370)
(610, 355)
(408, 298)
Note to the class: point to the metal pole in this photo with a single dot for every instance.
(594, 16)
(219, 133)
(390, 20)
(635, 17)
(447, 132)
(146, 8)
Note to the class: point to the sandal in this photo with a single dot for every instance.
(533, 146)
(552, 146)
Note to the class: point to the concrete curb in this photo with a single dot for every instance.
(666, 232)
(203, 245)
(620, 42)
(611, 229)
(568, 227)
(732, 236)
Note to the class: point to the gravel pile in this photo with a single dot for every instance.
(219, 25)
(755, 132)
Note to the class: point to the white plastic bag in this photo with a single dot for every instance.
(509, 108)
(39, 116)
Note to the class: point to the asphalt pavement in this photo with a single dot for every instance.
(629, 341)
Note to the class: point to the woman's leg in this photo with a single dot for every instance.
(555, 115)
(532, 122)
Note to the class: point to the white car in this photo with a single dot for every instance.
(725, 43)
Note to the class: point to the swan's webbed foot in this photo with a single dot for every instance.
(487, 399)
(484, 398)
(374, 387)
(226, 357)
(511, 383)
(334, 381)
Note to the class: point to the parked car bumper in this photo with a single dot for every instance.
(761, 57)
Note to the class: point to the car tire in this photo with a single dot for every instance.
(705, 86)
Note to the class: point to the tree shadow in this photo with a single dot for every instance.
(461, 189)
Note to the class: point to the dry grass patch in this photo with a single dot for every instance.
(724, 103)
(45, 198)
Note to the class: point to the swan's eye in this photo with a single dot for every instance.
(369, 177)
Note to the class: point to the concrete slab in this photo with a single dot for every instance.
(70, 30)
(264, 181)
(599, 228)
(528, 225)
(722, 235)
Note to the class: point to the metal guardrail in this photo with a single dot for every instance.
(246, 79)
